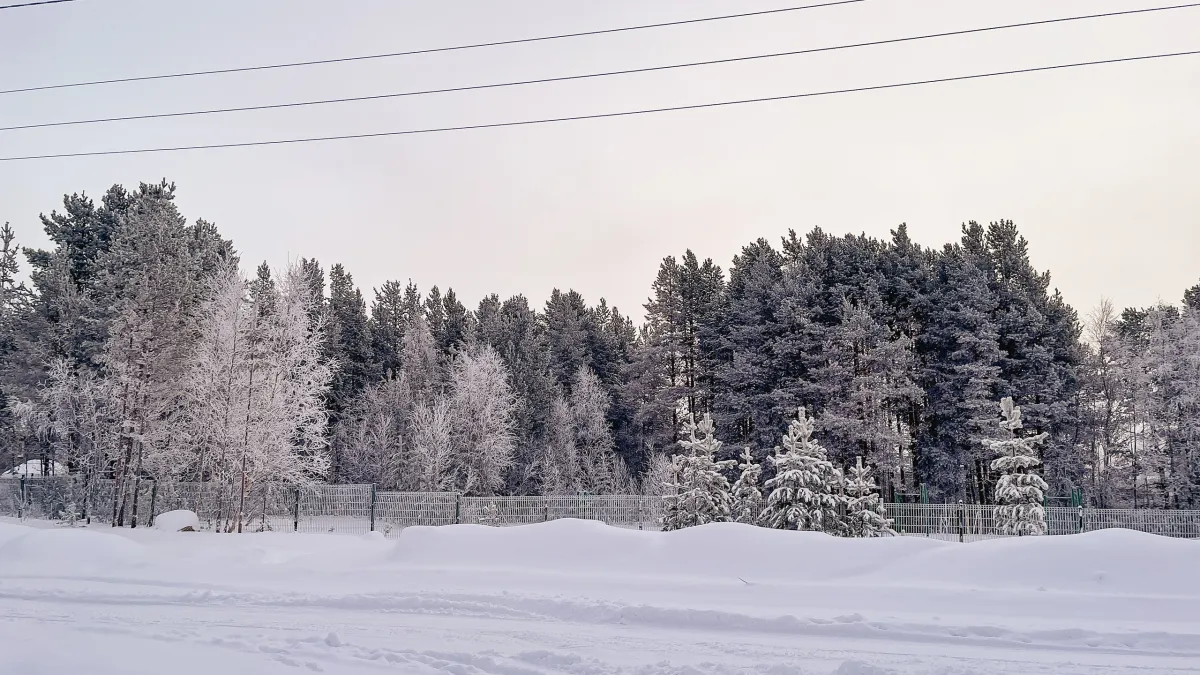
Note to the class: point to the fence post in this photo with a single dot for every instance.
(961, 516)
(457, 507)
(21, 498)
(372, 507)
(296, 512)
(153, 499)
(1080, 528)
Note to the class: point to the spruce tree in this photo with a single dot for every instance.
(386, 327)
(349, 340)
(747, 495)
(803, 495)
(865, 516)
(699, 492)
(1019, 492)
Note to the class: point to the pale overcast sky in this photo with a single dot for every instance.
(1099, 167)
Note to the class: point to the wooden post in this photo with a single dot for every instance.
(296, 513)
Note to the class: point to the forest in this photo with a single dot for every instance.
(138, 348)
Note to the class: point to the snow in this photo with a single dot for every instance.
(33, 467)
(177, 521)
(582, 598)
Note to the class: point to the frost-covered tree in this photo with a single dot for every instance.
(374, 438)
(579, 452)
(558, 464)
(658, 478)
(865, 516)
(82, 421)
(1020, 493)
(803, 495)
(419, 361)
(698, 493)
(747, 495)
(150, 284)
(483, 406)
(433, 445)
(254, 391)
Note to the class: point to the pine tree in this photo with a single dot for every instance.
(1020, 493)
(865, 516)
(747, 496)
(803, 495)
(750, 372)
(961, 377)
(870, 376)
(699, 492)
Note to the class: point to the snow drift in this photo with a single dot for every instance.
(1118, 561)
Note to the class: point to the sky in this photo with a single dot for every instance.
(1098, 167)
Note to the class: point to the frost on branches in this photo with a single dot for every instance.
(699, 491)
(803, 493)
(865, 516)
(1020, 493)
(747, 497)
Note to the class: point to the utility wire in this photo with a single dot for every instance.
(625, 113)
(497, 85)
(33, 4)
(434, 50)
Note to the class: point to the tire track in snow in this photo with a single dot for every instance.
(528, 608)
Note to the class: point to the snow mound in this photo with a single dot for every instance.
(68, 549)
(1107, 561)
(724, 550)
(177, 521)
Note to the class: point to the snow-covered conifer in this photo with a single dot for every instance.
(699, 491)
(1020, 493)
(803, 495)
(865, 516)
(747, 495)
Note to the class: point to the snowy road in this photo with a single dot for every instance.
(213, 604)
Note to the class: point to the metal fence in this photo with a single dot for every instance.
(972, 522)
(357, 509)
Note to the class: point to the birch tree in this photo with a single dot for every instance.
(483, 410)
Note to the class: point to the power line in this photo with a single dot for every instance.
(33, 4)
(565, 78)
(624, 113)
(600, 115)
(433, 50)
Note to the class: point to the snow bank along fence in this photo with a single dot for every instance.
(357, 509)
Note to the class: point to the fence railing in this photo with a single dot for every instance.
(361, 508)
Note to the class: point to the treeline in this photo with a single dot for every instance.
(137, 349)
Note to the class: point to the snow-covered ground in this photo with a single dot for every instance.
(581, 598)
